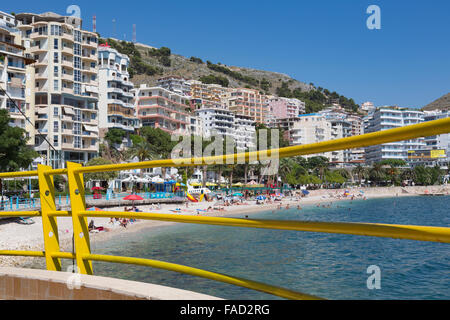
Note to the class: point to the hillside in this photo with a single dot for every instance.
(443, 103)
(148, 64)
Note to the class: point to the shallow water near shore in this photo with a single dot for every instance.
(331, 266)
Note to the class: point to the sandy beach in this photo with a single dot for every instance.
(16, 236)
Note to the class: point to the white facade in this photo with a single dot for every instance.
(176, 84)
(311, 128)
(244, 132)
(62, 85)
(116, 108)
(437, 142)
(216, 121)
(389, 118)
(13, 75)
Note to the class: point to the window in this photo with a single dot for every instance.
(77, 62)
(77, 35)
(56, 71)
(55, 84)
(77, 128)
(55, 141)
(77, 115)
(77, 49)
(77, 88)
(55, 57)
(55, 126)
(55, 111)
(55, 44)
(92, 64)
(77, 75)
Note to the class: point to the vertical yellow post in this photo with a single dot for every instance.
(80, 225)
(49, 224)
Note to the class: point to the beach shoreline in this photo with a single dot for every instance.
(15, 236)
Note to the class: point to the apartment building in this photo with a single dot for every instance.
(160, 108)
(217, 120)
(285, 108)
(385, 118)
(13, 63)
(63, 86)
(312, 128)
(437, 147)
(176, 84)
(248, 102)
(245, 133)
(115, 104)
(204, 95)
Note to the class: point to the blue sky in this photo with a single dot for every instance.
(326, 42)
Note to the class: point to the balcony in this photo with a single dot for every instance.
(37, 49)
(38, 35)
(41, 76)
(68, 37)
(89, 44)
(89, 57)
(66, 63)
(67, 77)
(67, 50)
(43, 62)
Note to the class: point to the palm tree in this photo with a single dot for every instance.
(360, 172)
(377, 172)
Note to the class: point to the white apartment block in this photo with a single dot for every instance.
(13, 62)
(245, 133)
(115, 104)
(160, 108)
(176, 84)
(216, 121)
(388, 118)
(312, 128)
(62, 86)
(439, 142)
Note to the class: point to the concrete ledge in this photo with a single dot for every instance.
(33, 284)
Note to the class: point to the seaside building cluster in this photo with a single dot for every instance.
(71, 90)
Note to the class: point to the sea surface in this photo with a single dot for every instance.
(331, 266)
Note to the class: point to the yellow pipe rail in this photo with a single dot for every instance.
(20, 214)
(407, 232)
(22, 253)
(278, 291)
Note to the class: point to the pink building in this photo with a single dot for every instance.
(282, 108)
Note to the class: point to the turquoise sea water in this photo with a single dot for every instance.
(327, 265)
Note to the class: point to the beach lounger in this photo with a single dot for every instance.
(26, 220)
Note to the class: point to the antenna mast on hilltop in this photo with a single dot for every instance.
(134, 33)
(94, 24)
(114, 27)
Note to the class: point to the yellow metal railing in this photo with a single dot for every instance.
(79, 215)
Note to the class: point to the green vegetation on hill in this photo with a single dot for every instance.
(215, 79)
(137, 65)
(238, 76)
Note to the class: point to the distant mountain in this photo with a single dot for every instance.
(443, 103)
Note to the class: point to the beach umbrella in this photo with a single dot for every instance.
(260, 198)
(238, 194)
(133, 197)
(97, 188)
(305, 192)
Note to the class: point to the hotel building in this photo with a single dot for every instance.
(216, 121)
(160, 108)
(285, 108)
(248, 102)
(175, 84)
(115, 104)
(245, 133)
(312, 128)
(13, 62)
(63, 84)
(388, 118)
(206, 95)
